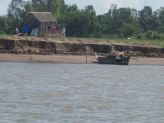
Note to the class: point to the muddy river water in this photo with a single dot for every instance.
(73, 93)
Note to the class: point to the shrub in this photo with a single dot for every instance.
(149, 35)
(160, 30)
(139, 36)
(106, 36)
(114, 36)
(127, 30)
(1, 32)
(161, 36)
(154, 35)
(96, 35)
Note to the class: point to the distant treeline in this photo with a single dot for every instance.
(116, 23)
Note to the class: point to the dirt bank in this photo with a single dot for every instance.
(49, 46)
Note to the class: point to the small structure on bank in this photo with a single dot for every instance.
(42, 24)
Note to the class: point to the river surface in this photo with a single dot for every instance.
(73, 93)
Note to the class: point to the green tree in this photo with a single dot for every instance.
(63, 7)
(146, 12)
(80, 23)
(15, 10)
(71, 20)
(102, 25)
(134, 13)
(39, 5)
(153, 23)
(3, 24)
(90, 20)
(145, 15)
(112, 20)
(125, 15)
(161, 15)
(127, 30)
(27, 9)
(63, 10)
(52, 6)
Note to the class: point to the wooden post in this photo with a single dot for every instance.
(86, 57)
(87, 51)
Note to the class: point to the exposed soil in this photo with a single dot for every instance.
(74, 46)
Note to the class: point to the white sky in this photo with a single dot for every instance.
(101, 6)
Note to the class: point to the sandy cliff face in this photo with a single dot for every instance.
(44, 47)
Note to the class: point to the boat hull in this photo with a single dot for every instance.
(113, 60)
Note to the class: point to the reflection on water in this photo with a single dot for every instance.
(81, 93)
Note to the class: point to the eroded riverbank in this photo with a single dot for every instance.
(48, 46)
(35, 49)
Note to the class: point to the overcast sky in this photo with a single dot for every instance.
(101, 6)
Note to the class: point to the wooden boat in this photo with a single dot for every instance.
(112, 60)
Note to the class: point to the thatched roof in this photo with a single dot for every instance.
(43, 16)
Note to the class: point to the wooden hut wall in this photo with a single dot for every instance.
(52, 24)
(31, 20)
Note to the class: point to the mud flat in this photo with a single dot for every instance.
(71, 59)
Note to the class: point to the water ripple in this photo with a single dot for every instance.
(81, 93)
